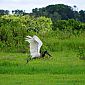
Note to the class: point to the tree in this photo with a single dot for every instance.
(55, 12)
(4, 12)
(82, 16)
(18, 12)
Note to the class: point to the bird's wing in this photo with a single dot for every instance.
(34, 45)
(34, 48)
(39, 42)
(29, 39)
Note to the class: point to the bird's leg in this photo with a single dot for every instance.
(29, 58)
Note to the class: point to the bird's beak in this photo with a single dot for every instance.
(49, 54)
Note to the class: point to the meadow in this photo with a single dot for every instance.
(65, 67)
(64, 40)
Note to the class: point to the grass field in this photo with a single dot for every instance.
(64, 68)
(63, 39)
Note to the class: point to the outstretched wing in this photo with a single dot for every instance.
(39, 42)
(29, 39)
(35, 45)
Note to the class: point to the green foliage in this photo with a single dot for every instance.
(14, 29)
(55, 12)
(43, 24)
(60, 12)
(69, 25)
(81, 53)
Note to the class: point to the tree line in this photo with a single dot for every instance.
(60, 12)
(55, 12)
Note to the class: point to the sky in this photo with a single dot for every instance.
(28, 5)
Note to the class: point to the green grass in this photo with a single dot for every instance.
(42, 79)
(64, 68)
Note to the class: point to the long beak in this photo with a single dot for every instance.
(49, 54)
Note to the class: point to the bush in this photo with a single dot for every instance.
(70, 24)
(14, 29)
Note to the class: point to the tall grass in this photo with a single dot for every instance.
(54, 41)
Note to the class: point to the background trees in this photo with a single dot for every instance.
(60, 12)
(82, 16)
(55, 12)
(4, 12)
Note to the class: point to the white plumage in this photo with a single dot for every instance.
(35, 45)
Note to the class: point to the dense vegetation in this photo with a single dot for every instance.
(14, 29)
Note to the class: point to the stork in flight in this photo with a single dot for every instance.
(35, 45)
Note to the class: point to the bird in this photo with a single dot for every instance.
(35, 47)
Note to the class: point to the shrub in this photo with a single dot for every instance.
(14, 29)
